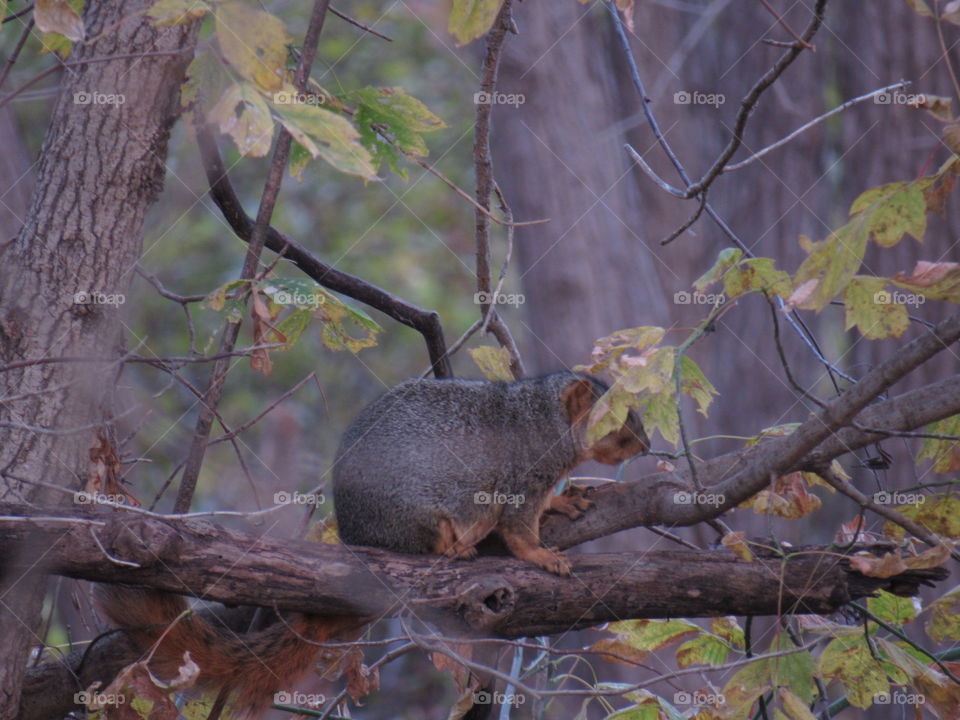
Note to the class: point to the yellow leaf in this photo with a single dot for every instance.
(328, 135)
(469, 19)
(243, 115)
(493, 362)
(254, 43)
(871, 308)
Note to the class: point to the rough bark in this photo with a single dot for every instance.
(101, 166)
(496, 596)
(559, 155)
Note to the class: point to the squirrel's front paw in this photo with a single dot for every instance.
(572, 502)
(458, 552)
(551, 560)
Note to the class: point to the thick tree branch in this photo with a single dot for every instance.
(498, 596)
(650, 499)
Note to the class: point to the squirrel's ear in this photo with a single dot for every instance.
(578, 399)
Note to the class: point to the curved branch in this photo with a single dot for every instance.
(426, 322)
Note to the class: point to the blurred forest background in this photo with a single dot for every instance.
(596, 267)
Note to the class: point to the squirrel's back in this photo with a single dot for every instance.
(426, 448)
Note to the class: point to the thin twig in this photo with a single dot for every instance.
(12, 59)
(783, 23)
(358, 24)
(816, 121)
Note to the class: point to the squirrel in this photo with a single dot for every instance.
(432, 466)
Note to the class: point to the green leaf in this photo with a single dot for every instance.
(848, 659)
(254, 43)
(727, 258)
(705, 649)
(695, 384)
(292, 327)
(494, 362)
(754, 275)
(870, 307)
(831, 264)
(328, 135)
(335, 314)
(166, 13)
(944, 622)
(937, 513)
(469, 19)
(892, 210)
(729, 629)
(399, 116)
(944, 453)
(652, 634)
(659, 412)
(893, 609)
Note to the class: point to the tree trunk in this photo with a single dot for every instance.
(65, 276)
(559, 155)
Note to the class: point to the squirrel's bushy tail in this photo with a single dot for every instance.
(252, 666)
